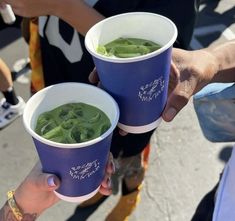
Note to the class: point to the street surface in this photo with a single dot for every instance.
(183, 164)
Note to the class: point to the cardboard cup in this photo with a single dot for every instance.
(138, 84)
(80, 166)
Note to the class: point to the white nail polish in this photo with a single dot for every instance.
(7, 13)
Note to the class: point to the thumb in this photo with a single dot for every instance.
(176, 101)
(47, 182)
(93, 77)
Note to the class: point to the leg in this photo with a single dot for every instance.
(132, 170)
(5, 77)
(37, 78)
(11, 106)
(206, 206)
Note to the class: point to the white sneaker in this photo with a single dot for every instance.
(9, 113)
(21, 68)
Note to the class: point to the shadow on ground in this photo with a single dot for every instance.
(83, 213)
(225, 153)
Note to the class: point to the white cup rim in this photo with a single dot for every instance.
(28, 128)
(132, 59)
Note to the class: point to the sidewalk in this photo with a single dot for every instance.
(183, 164)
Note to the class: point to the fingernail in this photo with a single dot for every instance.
(109, 182)
(113, 166)
(51, 181)
(170, 114)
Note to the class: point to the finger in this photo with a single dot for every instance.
(53, 182)
(99, 84)
(44, 181)
(174, 78)
(176, 101)
(106, 183)
(122, 132)
(105, 191)
(105, 187)
(47, 182)
(93, 77)
(110, 168)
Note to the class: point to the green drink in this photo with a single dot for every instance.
(72, 123)
(128, 47)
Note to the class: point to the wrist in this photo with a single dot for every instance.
(26, 206)
(6, 213)
(61, 8)
(55, 7)
(11, 210)
(213, 67)
(224, 55)
(86, 16)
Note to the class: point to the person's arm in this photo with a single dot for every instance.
(6, 214)
(78, 14)
(75, 12)
(36, 193)
(33, 196)
(225, 57)
(192, 70)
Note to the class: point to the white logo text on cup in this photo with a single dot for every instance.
(86, 170)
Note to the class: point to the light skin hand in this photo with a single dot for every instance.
(105, 188)
(33, 196)
(36, 193)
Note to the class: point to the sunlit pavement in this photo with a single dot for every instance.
(183, 164)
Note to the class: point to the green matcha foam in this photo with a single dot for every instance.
(72, 123)
(127, 47)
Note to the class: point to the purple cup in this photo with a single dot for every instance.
(80, 166)
(138, 84)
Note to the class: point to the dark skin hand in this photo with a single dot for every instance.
(193, 70)
(186, 78)
(189, 74)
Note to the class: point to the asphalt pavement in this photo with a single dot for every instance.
(183, 164)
